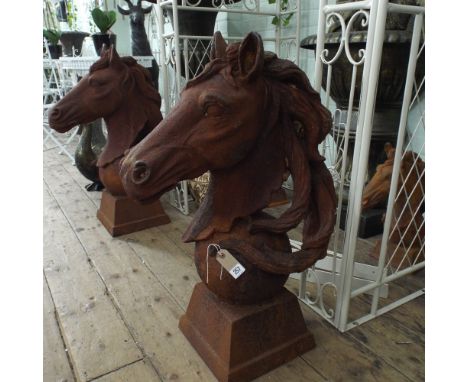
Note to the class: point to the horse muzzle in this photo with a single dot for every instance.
(60, 121)
(148, 175)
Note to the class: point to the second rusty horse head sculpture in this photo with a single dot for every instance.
(120, 91)
(248, 117)
(407, 227)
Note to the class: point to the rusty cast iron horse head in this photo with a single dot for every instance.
(248, 117)
(120, 91)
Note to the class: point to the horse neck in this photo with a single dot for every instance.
(140, 43)
(240, 191)
(126, 125)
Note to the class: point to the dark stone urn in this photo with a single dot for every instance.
(72, 42)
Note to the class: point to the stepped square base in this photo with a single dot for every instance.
(242, 342)
(121, 215)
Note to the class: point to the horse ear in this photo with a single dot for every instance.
(251, 56)
(113, 55)
(388, 147)
(218, 46)
(104, 50)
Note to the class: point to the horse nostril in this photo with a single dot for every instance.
(54, 113)
(140, 173)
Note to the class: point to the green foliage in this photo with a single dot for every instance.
(103, 19)
(52, 35)
(71, 15)
(283, 19)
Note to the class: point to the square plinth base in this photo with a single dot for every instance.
(242, 342)
(121, 215)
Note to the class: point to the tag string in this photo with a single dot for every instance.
(218, 248)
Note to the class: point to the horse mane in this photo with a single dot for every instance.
(135, 76)
(299, 101)
(407, 165)
(142, 103)
(304, 123)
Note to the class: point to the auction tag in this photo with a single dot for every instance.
(230, 263)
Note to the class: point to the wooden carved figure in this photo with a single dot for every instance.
(407, 229)
(120, 91)
(140, 43)
(248, 118)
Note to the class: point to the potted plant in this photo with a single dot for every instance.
(104, 21)
(72, 40)
(52, 36)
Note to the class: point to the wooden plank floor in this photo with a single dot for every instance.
(111, 305)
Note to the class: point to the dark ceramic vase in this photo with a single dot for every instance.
(55, 51)
(103, 38)
(72, 42)
(87, 153)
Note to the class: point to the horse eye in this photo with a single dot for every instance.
(94, 82)
(213, 109)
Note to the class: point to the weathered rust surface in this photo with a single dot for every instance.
(121, 215)
(242, 342)
(120, 91)
(255, 284)
(249, 118)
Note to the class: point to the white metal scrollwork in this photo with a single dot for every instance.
(325, 52)
(346, 275)
(364, 23)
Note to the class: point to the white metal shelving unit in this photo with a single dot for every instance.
(54, 88)
(333, 285)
